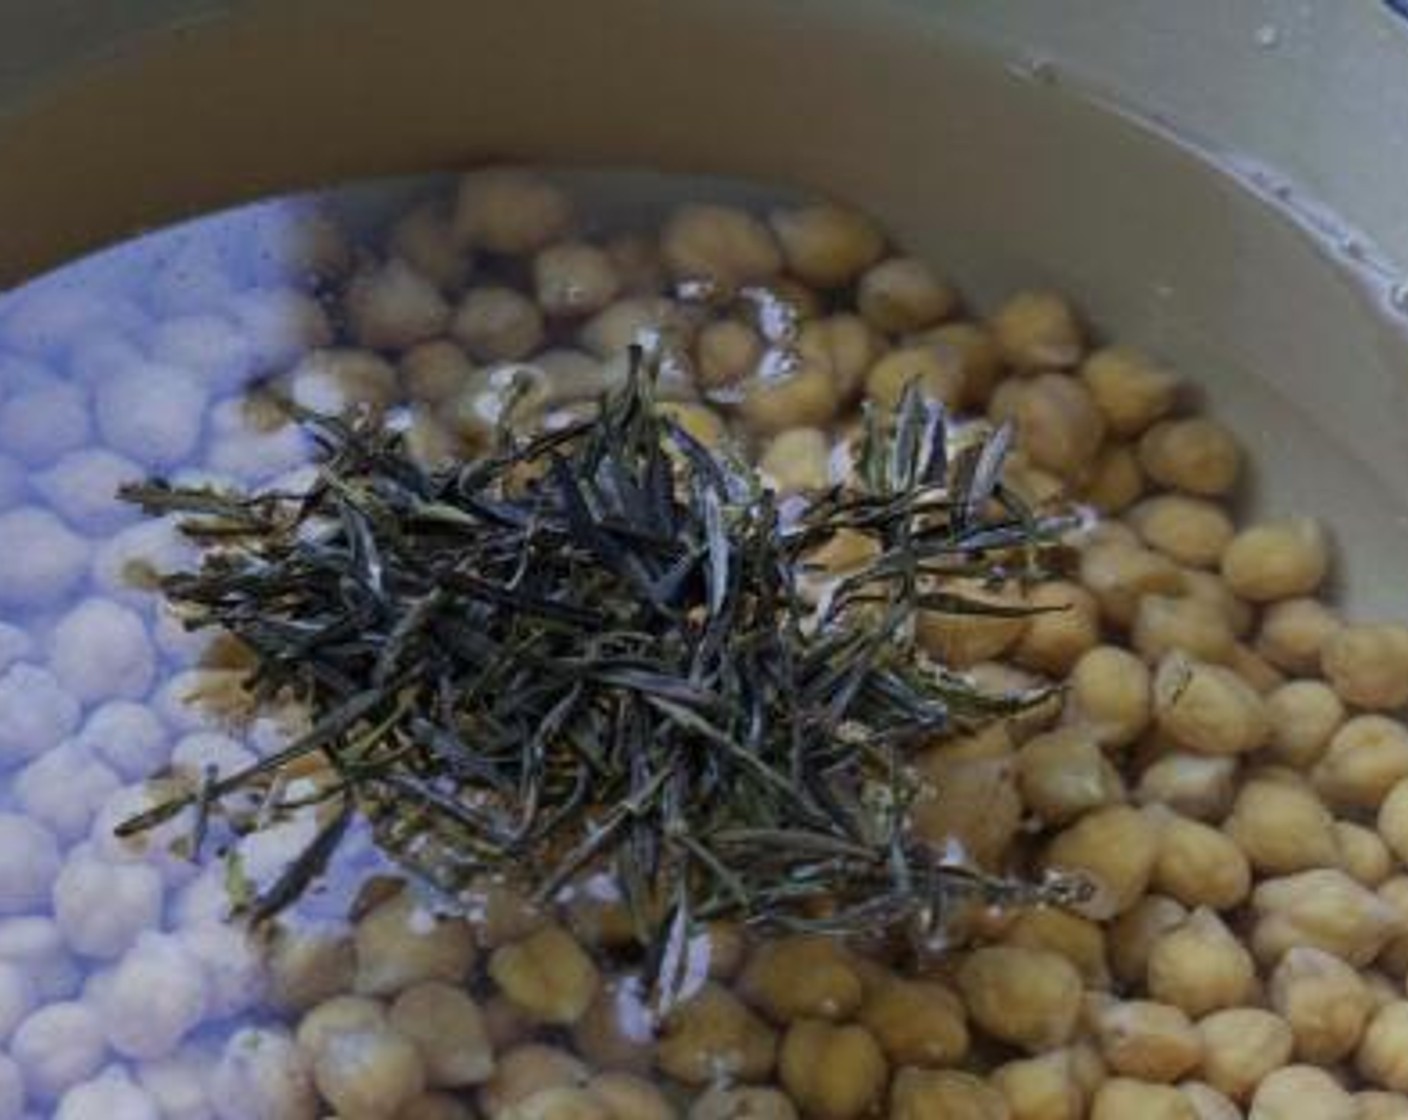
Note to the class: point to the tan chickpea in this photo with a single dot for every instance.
(832, 1072)
(497, 324)
(1277, 560)
(635, 320)
(944, 1094)
(804, 396)
(975, 351)
(1064, 773)
(1111, 693)
(393, 307)
(368, 1072)
(1028, 997)
(1123, 1098)
(615, 1031)
(558, 1103)
(510, 211)
(1363, 854)
(961, 637)
(1377, 1104)
(1200, 786)
(1130, 389)
(1393, 819)
(1079, 940)
(1115, 480)
(628, 1097)
(1003, 676)
(1241, 1045)
(1040, 1088)
(723, 245)
(797, 460)
(1066, 627)
(1038, 330)
(1034, 486)
(1368, 665)
(435, 372)
(1197, 456)
(335, 1015)
(1383, 990)
(1304, 717)
(501, 912)
(1293, 633)
(525, 1070)
(446, 1026)
(306, 967)
(1208, 708)
(1132, 935)
(1323, 909)
(330, 380)
(1209, 588)
(933, 373)
(547, 974)
(434, 1106)
(401, 942)
(1324, 1000)
(726, 352)
(1298, 1091)
(636, 258)
(1114, 848)
(423, 238)
(916, 1022)
(826, 245)
(798, 977)
(902, 294)
(1209, 1103)
(574, 278)
(845, 343)
(1366, 758)
(713, 1035)
(1394, 957)
(1150, 1041)
(1058, 426)
(1200, 966)
(743, 1102)
(1282, 828)
(1382, 1056)
(1119, 574)
(697, 420)
(971, 803)
(1193, 531)
(1200, 866)
(1164, 623)
(1264, 677)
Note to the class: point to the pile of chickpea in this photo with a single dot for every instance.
(1227, 765)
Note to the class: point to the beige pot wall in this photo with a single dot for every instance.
(999, 180)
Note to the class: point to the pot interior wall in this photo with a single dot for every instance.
(1000, 181)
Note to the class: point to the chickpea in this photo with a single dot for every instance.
(1294, 632)
(744, 1102)
(902, 294)
(916, 1022)
(558, 1103)
(1368, 665)
(400, 943)
(547, 974)
(1111, 693)
(574, 278)
(1264, 677)
(1208, 708)
(1323, 909)
(1382, 1055)
(1296, 1091)
(1163, 623)
(497, 324)
(805, 396)
(797, 460)
(332, 380)
(635, 320)
(713, 1035)
(832, 1072)
(510, 211)
(447, 1028)
(1277, 560)
(422, 237)
(616, 1032)
(1041, 1088)
(1129, 388)
(935, 374)
(1383, 990)
(1037, 488)
(435, 372)
(368, 1072)
(1123, 1098)
(434, 1106)
(1028, 997)
(1197, 785)
(1115, 481)
(1241, 1045)
(722, 245)
(1119, 574)
(1197, 456)
(636, 258)
(1200, 966)
(392, 307)
(1375, 1104)
(628, 1097)
(975, 352)
(726, 352)
(1066, 627)
(1192, 531)
(1150, 1041)
(971, 803)
(1132, 935)
(1200, 866)
(1324, 1000)
(1209, 1103)
(1366, 758)
(1079, 940)
(826, 245)
(1038, 330)
(801, 977)
(306, 967)
(525, 1070)
(1115, 848)
(1282, 828)
(846, 344)
(968, 634)
(1394, 957)
(1209, 588)
(944, 1094)
(1064, 773)
(1363, 854)
(1304, 717)
(1058, 426)
(1393, 819)
(335, 1015)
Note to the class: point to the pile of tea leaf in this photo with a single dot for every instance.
(599, 649)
